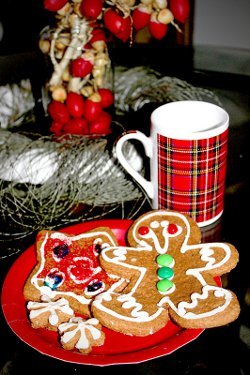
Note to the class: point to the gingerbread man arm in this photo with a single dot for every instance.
(214, 258)
(208, 304)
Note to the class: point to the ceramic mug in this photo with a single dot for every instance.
(187, 148)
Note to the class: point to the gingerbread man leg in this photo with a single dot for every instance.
(133, 310)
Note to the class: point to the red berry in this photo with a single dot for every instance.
(75, 104)
(80, 67)
(124, 34)
(157, 29)
(101, 125)
(98, 34)
(91, 9)
(54, 5)
(140, 17)
(107, 97)
(114, 22)
(92, 110)
(76, 126)
(56, 127)
(58, 111)
(180, 9)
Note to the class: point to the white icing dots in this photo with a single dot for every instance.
(164, 223)
(154, 224)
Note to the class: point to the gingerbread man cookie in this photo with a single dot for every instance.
(68, 267)
(167, 273)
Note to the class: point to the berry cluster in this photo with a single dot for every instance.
(78, 47)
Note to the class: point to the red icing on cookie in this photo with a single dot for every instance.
(79, 265)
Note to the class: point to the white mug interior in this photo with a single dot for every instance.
(189, 119)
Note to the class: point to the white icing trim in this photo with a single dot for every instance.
(38, 308)
(206, 256)
(206, 253)
(183, 306)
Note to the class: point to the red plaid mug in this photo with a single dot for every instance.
(187, 148)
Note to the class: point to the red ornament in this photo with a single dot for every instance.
(118, 25)
(125, 34)
(76, 126)
(75, 104)
(107, 97)
(113, 21)
(180, 9)
(58, 111)
(92, 110)
(101, 125)
(157, 29)
(54, 5)
(98, 34)
(80, 67)
(140, 17)
(56, 127)
(91, 9)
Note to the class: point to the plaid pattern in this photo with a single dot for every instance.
(191, 175)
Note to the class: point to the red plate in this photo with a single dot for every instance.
(118, 348)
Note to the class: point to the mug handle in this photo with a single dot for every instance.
(147, 143)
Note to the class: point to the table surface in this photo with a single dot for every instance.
(216, 350)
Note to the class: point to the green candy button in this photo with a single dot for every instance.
(164, 260)
(164, 284)
(165, 273)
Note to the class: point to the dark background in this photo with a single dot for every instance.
(22, 21)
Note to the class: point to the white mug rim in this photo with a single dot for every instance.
(212, 129)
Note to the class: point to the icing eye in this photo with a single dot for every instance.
(61, 251)
(172, 228)
(98, 248)
(53, 279)
(143, 230)
(94, 286)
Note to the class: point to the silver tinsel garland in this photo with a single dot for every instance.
(48, 183)
(141, 85)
